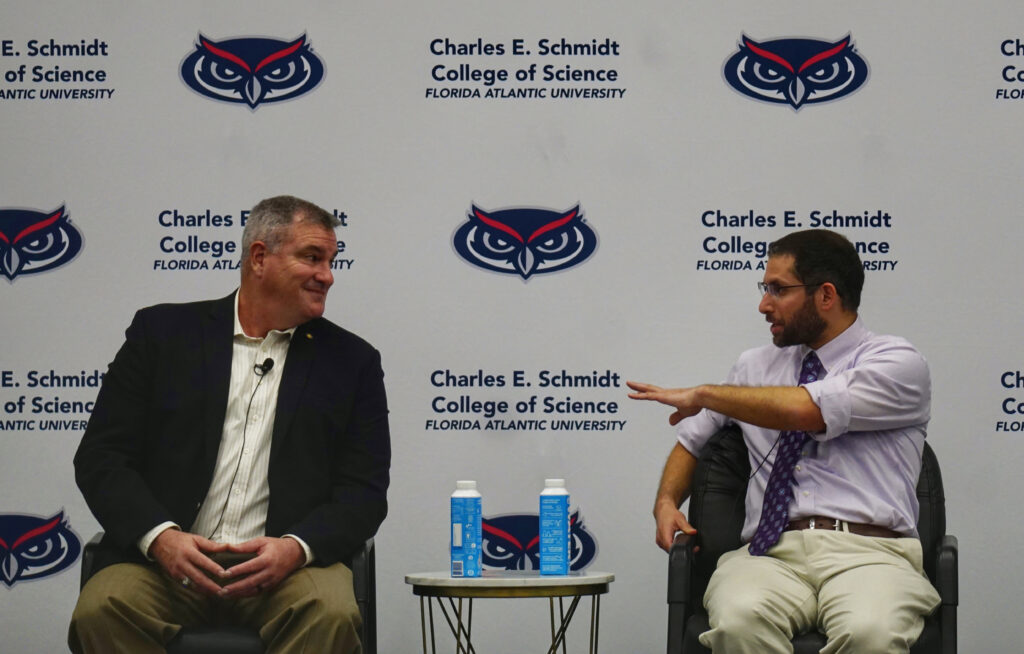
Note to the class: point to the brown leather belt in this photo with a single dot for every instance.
(831, 524)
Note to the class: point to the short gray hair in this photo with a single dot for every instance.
(269, 220)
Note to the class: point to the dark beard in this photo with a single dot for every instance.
(805, 327)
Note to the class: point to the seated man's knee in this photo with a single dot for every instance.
(91, 612)
(102, 597)
(327, 607)
(115, 606)
(744, 617)
(870, 632)
(741, 612)
(332, 611)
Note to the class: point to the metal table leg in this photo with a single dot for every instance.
(459, 626)
(595, 621)
(558, 636)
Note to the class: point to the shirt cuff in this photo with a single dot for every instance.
(147, 538)
(833, 399)
(305, 548)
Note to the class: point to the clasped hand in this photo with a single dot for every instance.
(184, 556)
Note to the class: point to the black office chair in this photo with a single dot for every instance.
(238, 640)
(717, 512)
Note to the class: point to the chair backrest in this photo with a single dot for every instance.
(717, 505)
(931, 522)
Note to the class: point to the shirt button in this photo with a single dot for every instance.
(798, 468)
(806, 494)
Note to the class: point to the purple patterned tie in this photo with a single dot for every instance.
(779, 492)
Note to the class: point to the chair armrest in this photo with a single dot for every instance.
(947, 570)
(88, 558)
(363, 565)
(680, 560)
(364, 585)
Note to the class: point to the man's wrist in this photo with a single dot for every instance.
(703, 394)
(663, 502)
(307, 553)
(148, 538)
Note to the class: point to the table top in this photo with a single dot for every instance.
(509, 583)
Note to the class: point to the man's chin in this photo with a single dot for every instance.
(780, 340)
(315, 304)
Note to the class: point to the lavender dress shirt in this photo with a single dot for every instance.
(876, 401)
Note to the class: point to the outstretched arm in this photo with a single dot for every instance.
(772, 407)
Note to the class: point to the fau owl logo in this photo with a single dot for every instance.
(34, 241)
(796, 71)
(525, 242)
(32, 547)
(512, 542)
(252, 71)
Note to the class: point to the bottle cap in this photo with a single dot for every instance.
(554, 483)
(465, 485)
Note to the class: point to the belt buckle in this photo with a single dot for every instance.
(837, 525)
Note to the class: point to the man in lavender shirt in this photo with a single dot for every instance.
(848, 562)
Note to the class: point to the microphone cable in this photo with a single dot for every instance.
(261, 369)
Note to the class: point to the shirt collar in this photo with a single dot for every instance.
(239, 332)
(839, 347)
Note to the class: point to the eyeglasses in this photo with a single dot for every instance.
(775, 290)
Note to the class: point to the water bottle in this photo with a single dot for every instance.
(554, 528)
(466, 534)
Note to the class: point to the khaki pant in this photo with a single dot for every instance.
(866, 595)
(138, 609)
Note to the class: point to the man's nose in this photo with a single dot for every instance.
(325, 275)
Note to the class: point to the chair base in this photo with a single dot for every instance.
(221, 640)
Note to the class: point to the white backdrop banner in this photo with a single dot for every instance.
(539, 200)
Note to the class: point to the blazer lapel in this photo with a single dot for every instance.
(293, 382)
(217, 349)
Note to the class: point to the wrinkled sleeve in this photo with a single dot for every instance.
(693, 432)
(887, 388)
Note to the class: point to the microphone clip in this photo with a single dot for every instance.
(263, 368)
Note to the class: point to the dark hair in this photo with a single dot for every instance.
(269, 219)
(820, 256)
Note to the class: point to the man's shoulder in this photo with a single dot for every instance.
(758, 366)
(765, 356)
(885, 345)
(186, 309)
(168, 320)
(872, 339)
(335, 335)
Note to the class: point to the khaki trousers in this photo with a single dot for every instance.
(137, 609)
(866, 595)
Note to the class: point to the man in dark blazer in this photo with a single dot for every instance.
(195, 451)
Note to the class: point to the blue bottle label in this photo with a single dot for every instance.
(554, 534)
(466, 537)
